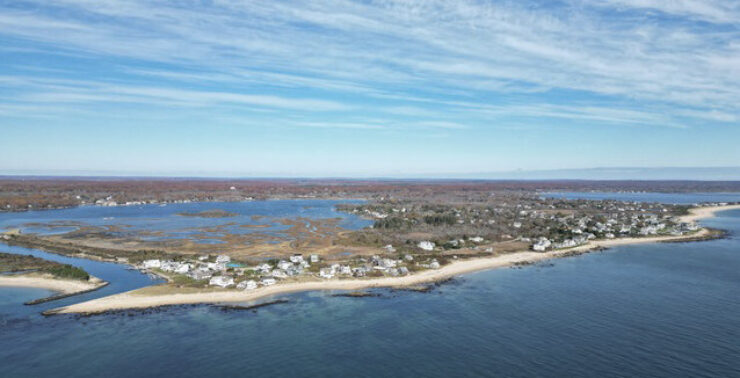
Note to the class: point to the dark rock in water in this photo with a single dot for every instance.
(252, 307)
(425, 288)
(125, 312)
(545, 265)
(62, 296)
(356, 294)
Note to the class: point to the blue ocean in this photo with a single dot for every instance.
(658, 310)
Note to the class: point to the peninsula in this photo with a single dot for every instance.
(163, 296)
(29, 271)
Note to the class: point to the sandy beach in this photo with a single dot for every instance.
(47, 281)
(141, 299)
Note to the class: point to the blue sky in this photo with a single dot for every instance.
(366, 88)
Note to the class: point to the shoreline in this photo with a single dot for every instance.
(139, 299)
(58, 285)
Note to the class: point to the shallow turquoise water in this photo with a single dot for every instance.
(660, 310)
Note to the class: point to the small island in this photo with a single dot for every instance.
(29, 271)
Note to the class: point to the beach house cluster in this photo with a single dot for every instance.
(572, 231)
(222, 272)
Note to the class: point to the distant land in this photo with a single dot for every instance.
(616, 173)
(601, 173)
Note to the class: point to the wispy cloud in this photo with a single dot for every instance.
(647, 62)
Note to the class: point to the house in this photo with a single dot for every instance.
(314, 258)
(263, 268)
(279, 273)
(222, 281)
(326, 273)
(426, 245)
(476, 239)
(345, 270)
(388, 263)
(649, 230)
(267, 281)
(389, 248)
(223, 259)
(200, 274)
(149, 264)
(219, 266)
(216, 266)
(296, 258)
(403, 270)
(434, 264)
(294, 270)
(284, 265)
(360, 271)
(541, 245)
(247, 285)
(182, 268)
(169, 266)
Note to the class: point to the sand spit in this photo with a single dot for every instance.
(47, 281)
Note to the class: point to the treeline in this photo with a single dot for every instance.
(10, 262)
(68, 271)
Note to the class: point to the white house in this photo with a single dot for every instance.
(296, 258)
(200, 274)
(214, 266)
(222, 281)
(388, 263)
(360, 271)
(182, 268)
(326, 273)
(168, 266)
(267, 281)
(279, 273)
(434, 264)
(247, 285)
(476, 239)
(426, 245)
(263, 268)
(284, 265)
(541, 245)
(223, 259)
(149, 264)
(314, 258)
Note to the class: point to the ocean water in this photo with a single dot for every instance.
(659, 310)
